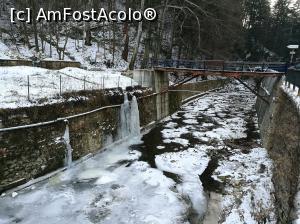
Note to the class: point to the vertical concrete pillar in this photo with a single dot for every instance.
(144, 77)
(159, 82)
(160, 86)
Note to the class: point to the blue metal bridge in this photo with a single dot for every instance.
(235, 69)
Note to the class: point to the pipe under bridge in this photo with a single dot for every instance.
(234, 69)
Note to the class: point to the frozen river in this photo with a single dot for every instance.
(203, 164)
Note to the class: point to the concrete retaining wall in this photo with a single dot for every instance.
(144, 78)
(279, 124)
(181, 93)
(4, 62)
(56, 65)
(30, 153)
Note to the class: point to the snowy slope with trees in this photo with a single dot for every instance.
(189, 29)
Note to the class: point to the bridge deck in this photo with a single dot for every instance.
(221, 68)
(225, 73)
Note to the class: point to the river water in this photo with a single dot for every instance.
(203, 164)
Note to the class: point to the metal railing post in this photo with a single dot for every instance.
(84, 83)
(60, 87)
(28, 88)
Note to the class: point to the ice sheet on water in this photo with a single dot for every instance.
(244, 172)
(135, 194)
(192, 161)
(256, 198)
(161, 147)
(171, 125)
(95, 173)
(174, 132)
(181, 141)
(188, 165)
(226, 133)
(190, 121)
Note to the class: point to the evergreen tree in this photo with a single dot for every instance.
(257, 20)
(295, 36)
(282, 27)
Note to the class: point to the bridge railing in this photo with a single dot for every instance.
(220, 65)
(293, 77)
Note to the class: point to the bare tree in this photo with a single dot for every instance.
(137, 40)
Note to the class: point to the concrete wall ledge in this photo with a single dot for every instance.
(48, 64)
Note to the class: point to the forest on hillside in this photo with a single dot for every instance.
(185, 29)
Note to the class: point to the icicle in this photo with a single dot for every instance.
(134, 118)
(129, 118)
(68, 152)
(125, 112)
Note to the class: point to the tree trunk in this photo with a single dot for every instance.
(114, 36)
(50, 34)
(146, 58)
(35, 31)
(103, 40)
(126, 43)
(138, 40)
(26, 38)
(126, 36)
(88, 34)
(160, 30)
(169, 56)
(36, 40)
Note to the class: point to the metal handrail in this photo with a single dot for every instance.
(219, 65)
(293, 77)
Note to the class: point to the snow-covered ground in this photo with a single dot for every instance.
(101, 190)
(161, 179)
(45, 84)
